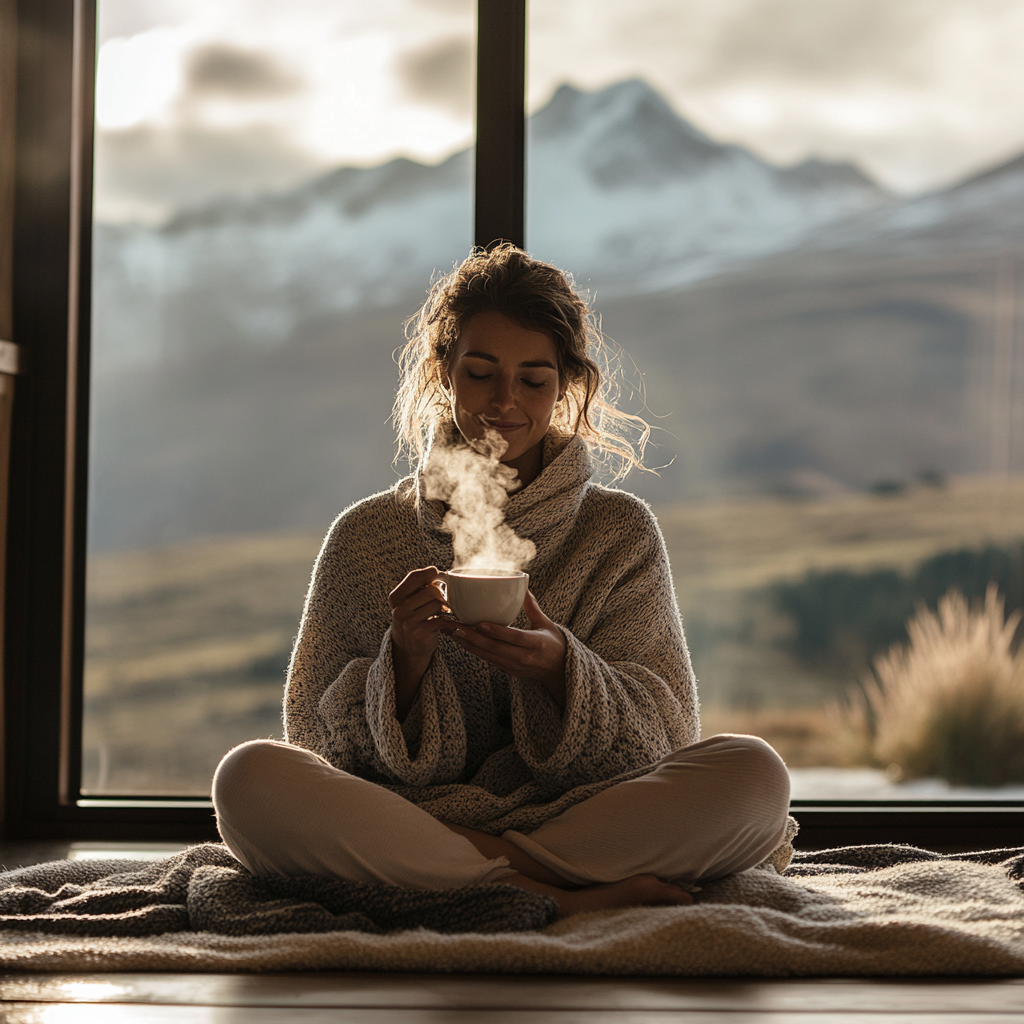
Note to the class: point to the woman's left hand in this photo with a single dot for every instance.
(536, 653)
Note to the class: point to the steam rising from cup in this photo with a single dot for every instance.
(476, 487)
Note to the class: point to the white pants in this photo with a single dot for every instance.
(707, 810)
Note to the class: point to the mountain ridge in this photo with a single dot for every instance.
(252, 270)
(568, 106)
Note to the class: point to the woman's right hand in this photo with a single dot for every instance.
(416, 609)
(416, 604)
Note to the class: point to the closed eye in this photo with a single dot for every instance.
(477, 376)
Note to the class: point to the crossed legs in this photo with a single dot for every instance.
(707, 810)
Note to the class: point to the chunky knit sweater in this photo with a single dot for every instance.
(479, 748)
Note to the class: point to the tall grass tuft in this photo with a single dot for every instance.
(951, 702)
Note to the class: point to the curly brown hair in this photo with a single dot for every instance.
(539, 297)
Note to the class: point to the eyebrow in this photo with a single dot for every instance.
(494, 359)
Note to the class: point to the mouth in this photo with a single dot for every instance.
(503, 427)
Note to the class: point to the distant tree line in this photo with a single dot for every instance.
(845, 619)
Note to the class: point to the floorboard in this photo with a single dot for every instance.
(70, 1013)
(495, 996)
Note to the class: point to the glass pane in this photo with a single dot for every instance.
(802, 221)
(275, 184)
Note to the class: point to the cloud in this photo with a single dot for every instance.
(440, 74)
(147, 173)
(466, 8)
(125, 18)
(137, 78)
(818, 42)
(230, 72)
(180, 124)
(919, 93)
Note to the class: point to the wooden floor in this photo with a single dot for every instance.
(316, 998)
(433, 999)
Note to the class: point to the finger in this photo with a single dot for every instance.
(510, 665)
(514, 660)
(468, 636)
(411, 615)
(474, 642)
(535, 613)
(415, 580)
(437, 624)
(507, 634)
(427, 596)
(422, 604)
(501, 639)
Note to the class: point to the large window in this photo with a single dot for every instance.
(830, 354)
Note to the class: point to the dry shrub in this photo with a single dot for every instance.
(951, 703)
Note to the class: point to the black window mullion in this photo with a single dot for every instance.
(79, 342)
(500, 122)
(35, 633)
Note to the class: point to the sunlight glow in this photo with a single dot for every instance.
(137, 78)
(356, 112)
(90, 991)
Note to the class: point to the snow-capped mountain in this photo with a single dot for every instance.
(625, 193)
(622, 192)
(254, 271)
(984, 214)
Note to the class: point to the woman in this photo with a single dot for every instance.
(559, 754)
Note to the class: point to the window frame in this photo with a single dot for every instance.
(45, 583)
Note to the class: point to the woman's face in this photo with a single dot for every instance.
(505, 377)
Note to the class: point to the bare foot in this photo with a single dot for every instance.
(638, 891)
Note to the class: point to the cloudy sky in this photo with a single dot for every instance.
(197, 98)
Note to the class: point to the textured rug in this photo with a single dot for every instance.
(881, 910)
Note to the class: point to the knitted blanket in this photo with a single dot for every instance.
(882, 910)
(205, 889)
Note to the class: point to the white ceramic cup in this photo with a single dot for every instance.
(485, 595)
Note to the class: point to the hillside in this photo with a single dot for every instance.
(187, 644)
(801, 374)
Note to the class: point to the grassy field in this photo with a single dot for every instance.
(186, 648)
(187, 645)
(724, 555)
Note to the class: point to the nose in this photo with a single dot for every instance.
(503, 396)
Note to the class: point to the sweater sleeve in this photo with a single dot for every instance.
(340, 694)
(630, 691)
